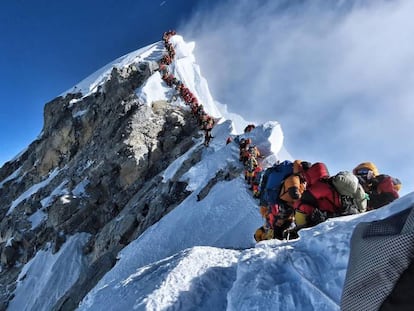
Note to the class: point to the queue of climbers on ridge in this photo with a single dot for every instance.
(205, 121)
(292, 195)
(300, 194)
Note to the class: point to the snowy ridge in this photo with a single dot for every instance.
(202, 255)
(188, 72)
(90, 84)
(274, 275)
(184, 274)
(228, 207)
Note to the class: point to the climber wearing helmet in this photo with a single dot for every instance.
(381, 188)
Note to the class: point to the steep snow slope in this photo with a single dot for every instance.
(295, 275)
(47, 274)
(304, 274)
(219, 163)
(202, 255)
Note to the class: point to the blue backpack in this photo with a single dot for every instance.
(272, 180)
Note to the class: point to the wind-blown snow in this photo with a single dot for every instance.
(186, 70)
(202, 255)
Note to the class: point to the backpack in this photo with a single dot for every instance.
(258, 175)
(386, 183)
(251, 165)
(381, 191)
(244, 150)
(300, 166)
(272, 181)
(353, 196)
(292, 189)
(316, 172)
(323, 196)
(253, 151)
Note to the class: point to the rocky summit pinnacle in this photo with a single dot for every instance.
(95, 168)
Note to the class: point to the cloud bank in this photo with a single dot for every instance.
(339, 77)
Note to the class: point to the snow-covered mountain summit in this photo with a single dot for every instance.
(115, 155)
(119, 206)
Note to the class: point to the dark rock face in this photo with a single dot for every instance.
(95, 168)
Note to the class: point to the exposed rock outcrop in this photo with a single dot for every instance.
(94, 168)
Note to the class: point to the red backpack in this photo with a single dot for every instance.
(315, 173)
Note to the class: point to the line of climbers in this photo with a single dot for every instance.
(292, 195)
(205, 121)
(298, 194)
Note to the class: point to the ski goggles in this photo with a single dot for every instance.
(365, 173)
(362, 171)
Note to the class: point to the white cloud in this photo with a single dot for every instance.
(339, 78)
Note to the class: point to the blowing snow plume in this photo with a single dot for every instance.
(118, 205)
(337, 76)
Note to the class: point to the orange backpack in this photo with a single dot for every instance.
(292, 189)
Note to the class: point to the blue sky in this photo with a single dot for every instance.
(337, 77)
(48, 46)
(201, 255)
